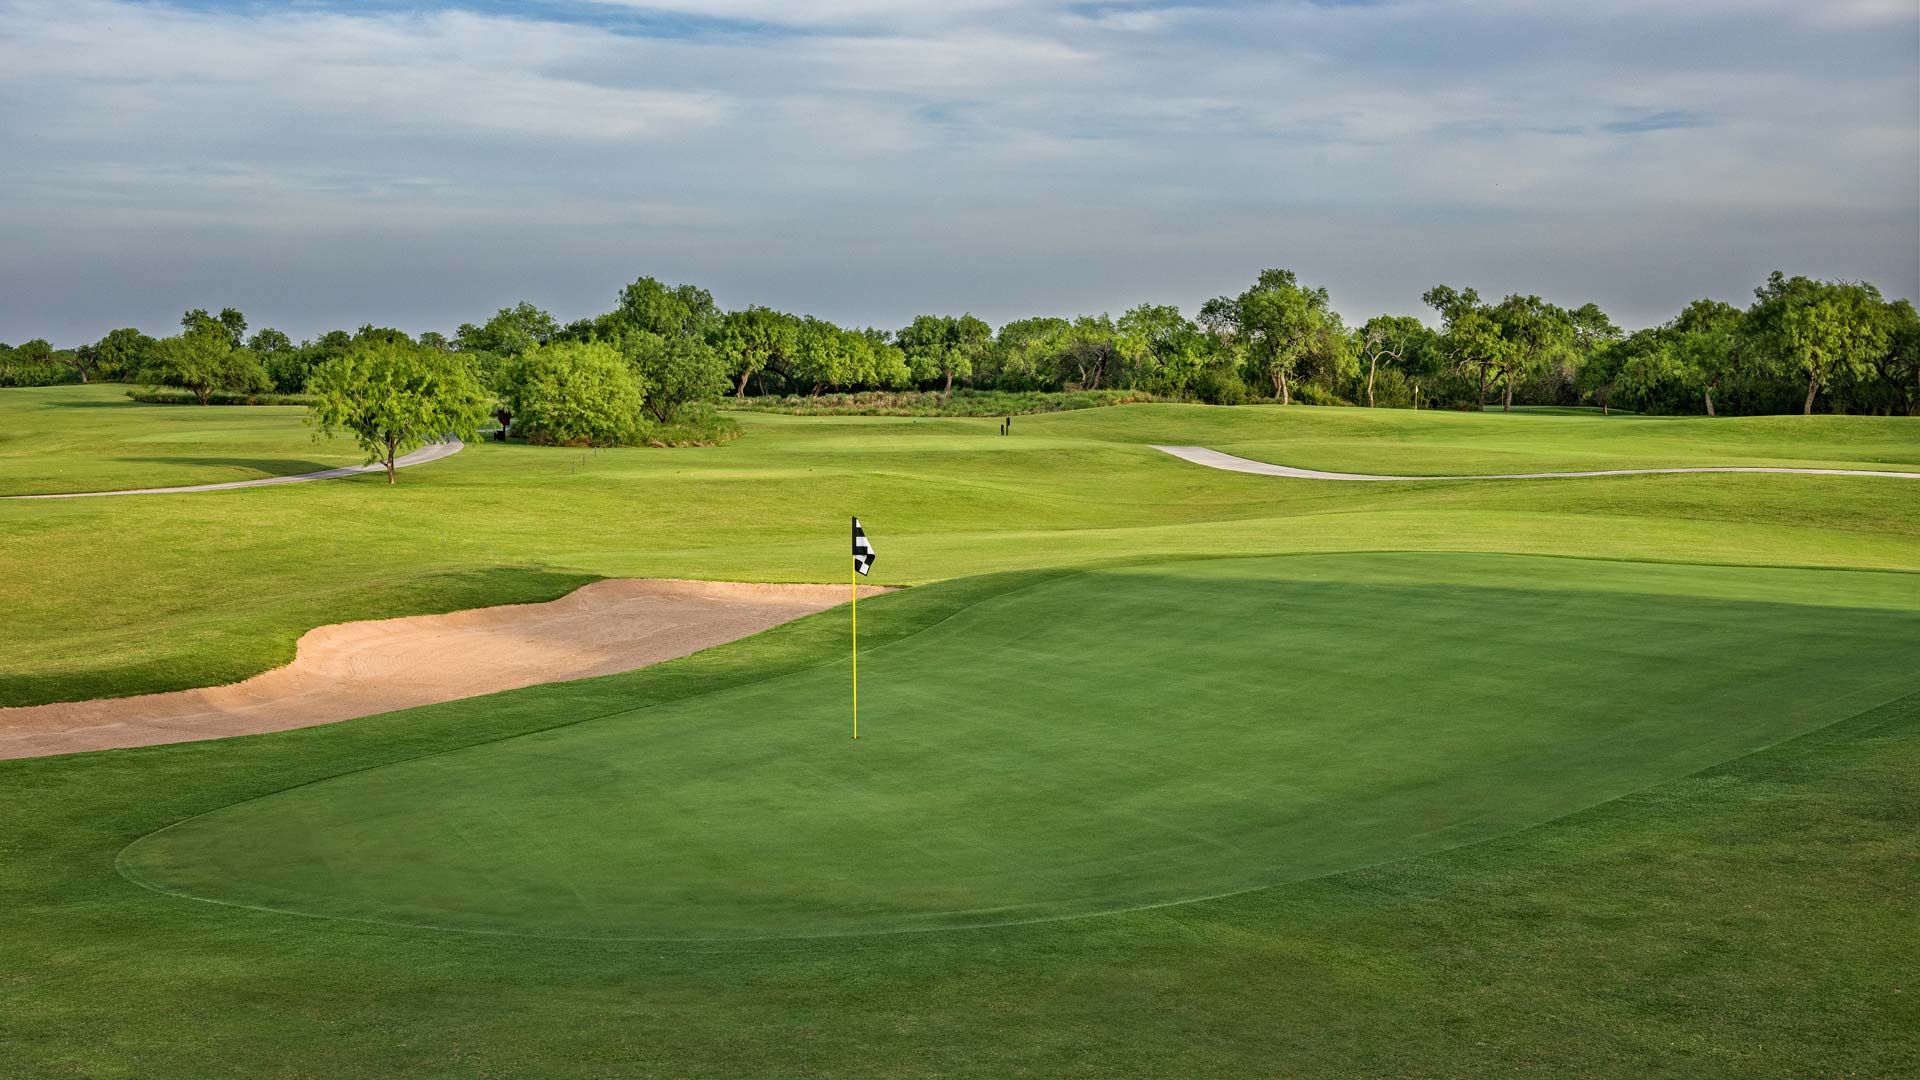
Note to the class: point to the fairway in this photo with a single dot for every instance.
(1094, 742)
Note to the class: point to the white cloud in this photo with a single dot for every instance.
(879, 153)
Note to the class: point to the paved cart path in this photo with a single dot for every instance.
(429, 452)
(1214, 459)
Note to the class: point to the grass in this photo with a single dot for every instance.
(92, 438)
(216, 587)
(1021, 764)
(1751, 919)
(1646, 806)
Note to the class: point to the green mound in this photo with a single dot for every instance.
(1097, 742)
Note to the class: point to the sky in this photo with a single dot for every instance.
(327, 164)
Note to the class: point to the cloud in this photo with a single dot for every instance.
(869, 159)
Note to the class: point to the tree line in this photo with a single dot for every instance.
(1801, 345)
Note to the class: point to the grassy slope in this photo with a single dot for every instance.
(209, 588)
(1097, 742)
(91, 438)
(1756, 919)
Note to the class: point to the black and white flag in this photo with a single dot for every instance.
(862, 549)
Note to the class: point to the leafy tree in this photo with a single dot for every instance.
(230, 321)
(1023, 355)
(675, 370)
(1704, 338)
(669, 311)
(826, 356)
(269, 341)
(1391, 339)
(1822, 330)
(437, 341)
(1473, 342)
(393, 397)
(511, 331)
(1532, 331)
(122, 353)
(1901, 365)
(943, 347)
(1279, 323)
(574, 393)
(1088, 353)
(204, 359)
(749, 340)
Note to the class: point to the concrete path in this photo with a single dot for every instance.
(429, 452)
(1214, 459)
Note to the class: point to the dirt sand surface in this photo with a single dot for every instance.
(359, 669)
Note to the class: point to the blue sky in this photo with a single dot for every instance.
(323, 164)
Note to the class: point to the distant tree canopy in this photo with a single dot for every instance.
(1800, 345)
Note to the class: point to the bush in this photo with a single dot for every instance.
(1221, 386)
(158, 395)
(1312, 393)
(934, 403)
(575, 393)
(36, 373)
(695, 424)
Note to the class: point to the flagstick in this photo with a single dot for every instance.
(853, 580)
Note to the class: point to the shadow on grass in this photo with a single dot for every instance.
(265, 466)
(242, 648)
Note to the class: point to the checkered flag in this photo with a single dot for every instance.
(862, 549)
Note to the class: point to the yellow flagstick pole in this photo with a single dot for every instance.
(853, 579)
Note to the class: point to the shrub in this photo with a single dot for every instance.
(696, 424)
(155, 395)
(575, 393)
(934, 403)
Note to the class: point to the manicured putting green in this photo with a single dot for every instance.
(1097, 742)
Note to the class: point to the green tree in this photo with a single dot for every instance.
(204, 359)
(1471, 339)
(1388, 339)
(511, 331)
(1532, 333)
(669, 311)
(1704, 337)
(1279, 323)
(675, 370)
(394, 397)
(1901, 365)
(575, 393)
(749, 340)
(122, 353)
(941, 347)
(1822, 330)
(826, 356)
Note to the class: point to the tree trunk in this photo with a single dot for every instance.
(1485, 372)
(1506, 403)
(1813, 384)
(1280, 383)
(391, 447)
(740, 395)
(948, 389)
(1709, 393)
(1372, 366)
(83, 376)
(203, 394)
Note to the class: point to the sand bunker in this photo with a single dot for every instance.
(363, 668)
